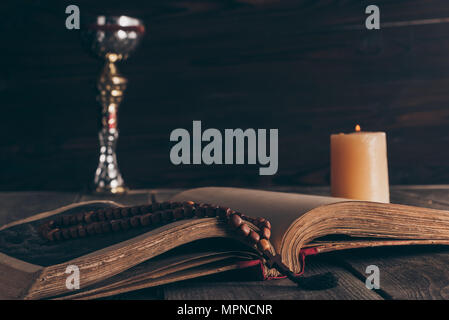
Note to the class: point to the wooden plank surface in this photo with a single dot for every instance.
(349, 287)
(408, 272)
(405, 272)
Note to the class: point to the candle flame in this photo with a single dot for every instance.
(357, 128)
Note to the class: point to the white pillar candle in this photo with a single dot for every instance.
(359, 167)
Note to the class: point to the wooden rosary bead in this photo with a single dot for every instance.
(57, 235)
(167, 215)
(145, 220)
(65, 234)
(134, 222)
(125, 212)
(43, 232)
(43, 229)
(46, 235)
(221, 212)
(251, 220)
(156, 218)
(178, 213)
(81, 231)
(51, 223)
(117, 212)
(89, 217)
(90, 229)
(106, 226)
(135, 211)
(235, 221)
(73, 220)
(259, 222)
(101, 221)
(254, 236)
(58, 221)
(50, 234)
(229, 212)
(109, 214)
(145, 209)
(80, 217)
(210, 211)
(263, 245)
(165, 205)
(200, 211)
(124, 223)
(174, 205)
(266, 233)
(98, 228)
(115, 225)
(188, 211)
(244, 230)
(73, 232)
(188, 204)
(66, 220)
(155, 206)
(267, 224)
(101, 216)
(141, 210)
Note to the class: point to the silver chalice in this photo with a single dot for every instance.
(112, 38)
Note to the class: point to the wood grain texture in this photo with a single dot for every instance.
(349, 288)
(20, 276)
(406, 273)
(305, 67)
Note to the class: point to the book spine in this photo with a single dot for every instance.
(302, 258)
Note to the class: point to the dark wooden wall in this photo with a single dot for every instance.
(307, 67)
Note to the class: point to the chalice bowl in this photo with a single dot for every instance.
(112, 38)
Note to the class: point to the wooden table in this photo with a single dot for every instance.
(405, 272)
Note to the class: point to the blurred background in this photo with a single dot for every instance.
(306, 67)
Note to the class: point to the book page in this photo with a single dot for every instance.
(280, 208)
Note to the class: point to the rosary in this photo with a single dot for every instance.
(106, 220)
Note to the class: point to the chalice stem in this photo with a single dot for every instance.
(111, 86)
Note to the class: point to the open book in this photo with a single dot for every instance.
(32, 267)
